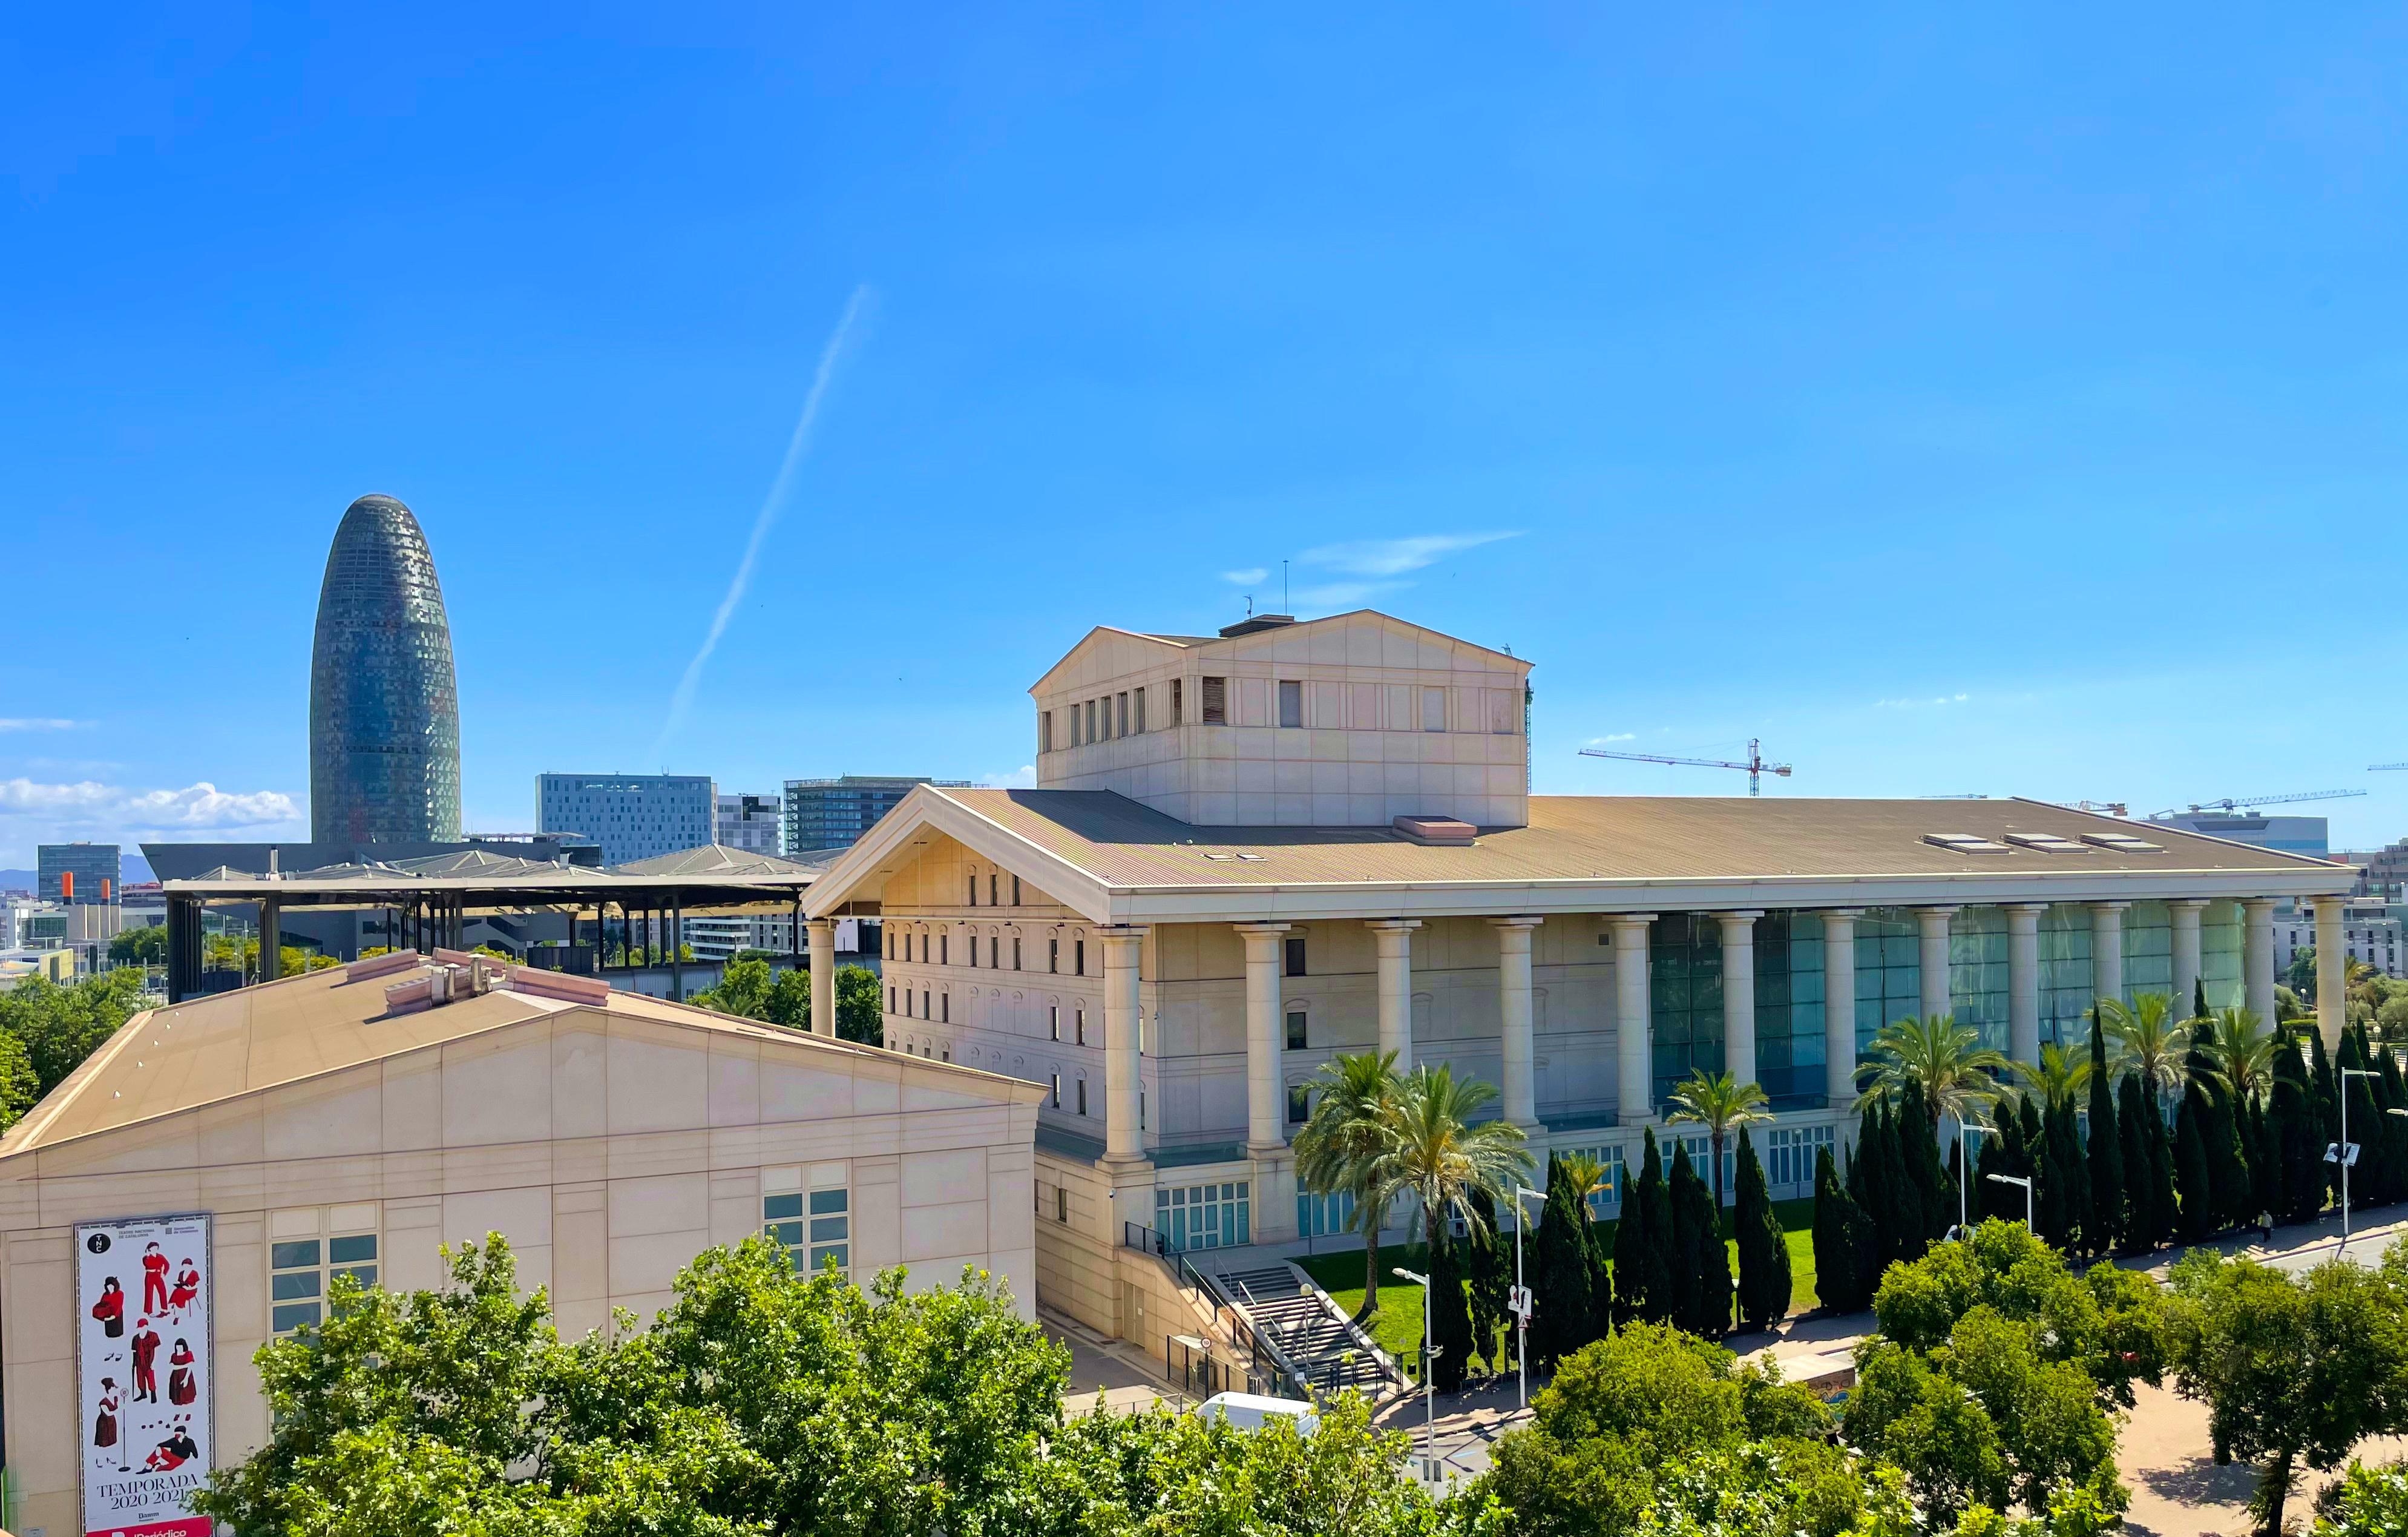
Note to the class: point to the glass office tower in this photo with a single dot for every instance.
(384, 708)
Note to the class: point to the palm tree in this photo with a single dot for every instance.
(2243, 1057)
(2149, 1041)
(1722, 1104)
(1339, 1147)
(1947, 1061)
(1436, 1155)
(1588, 1177)
(2059, 1075)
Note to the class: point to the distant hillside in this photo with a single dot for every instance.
(136, 872)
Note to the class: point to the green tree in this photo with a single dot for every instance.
(1586, 1179)
(1701, 1263)
(1339, 1147)
(2300, 975)
(2149, 1041)
(2138, 1222)
(1436, 1153)
(1764, 1280)
(1720, 1103)
(144, 947)
(2104, 1225)
(2192, 1178)
(2367, 1503)
(1491, 1264)
(2297, 1142)
(1944, 1061)
(1838, 1281)
(1642, 1283)
(1450, 1313)
(1933, 1427)
(2293, 1371)
(60, 1027)
(1561, 1280)
(1926, 1207)
(859, 1017)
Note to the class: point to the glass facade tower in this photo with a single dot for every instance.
(384, 708)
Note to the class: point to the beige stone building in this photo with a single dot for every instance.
(1250, 852)
(354, 1119)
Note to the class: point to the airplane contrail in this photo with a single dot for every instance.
(770, 507)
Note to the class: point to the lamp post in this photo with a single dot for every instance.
(2345, 1152)
(1521, 1292)
(1430, 1388)
(1965, 1182)
(2018, 1179)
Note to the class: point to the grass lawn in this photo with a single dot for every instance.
(1397, 1325)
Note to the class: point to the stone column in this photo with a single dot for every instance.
(2185, 913)
(1264, 1131)
(1513, 935)
(2107, 954)
(1931, 958)
(1396, 941)
(2258, 956)
(1840, 1005)
(1739, 993)
(2332, 1002)
(1634, 1028)
(2023, 981)
(1124, 1139)
(820, 934)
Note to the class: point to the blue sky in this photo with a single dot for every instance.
(1961, 402)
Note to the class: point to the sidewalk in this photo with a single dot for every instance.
(1114, 1368)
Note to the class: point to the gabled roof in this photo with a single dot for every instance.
(1256, 637)
(1117, 860)
(165, 1061)
(714, 859)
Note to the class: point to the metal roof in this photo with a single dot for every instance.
(712, 876)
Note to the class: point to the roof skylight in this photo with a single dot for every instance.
(2123, 842)
(1964, 843)
(2047, 844)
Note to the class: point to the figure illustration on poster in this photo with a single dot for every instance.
(172, 1453)
(104, 1422)
(154, 1280)
(146, 1355)
(110, 1309)
(188, 1286)
(179, 1375)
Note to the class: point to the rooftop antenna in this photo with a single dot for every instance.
(1287, 605)
(1755, 766)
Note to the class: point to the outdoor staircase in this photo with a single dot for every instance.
(1309, 1329)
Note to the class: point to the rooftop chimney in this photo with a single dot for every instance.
(1252, 623)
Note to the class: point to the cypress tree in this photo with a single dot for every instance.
(2164, 1212)
(2104, 1229)
(1763, 1250)
(2391, 1094)
(1864, 1236)
(2294, 1133)
(1702, 1264)
(1491, 1263)
(2136, 1227)
(2198, 998)
(1450, 1320)
(1887, 1200)
(1837, 1280)
(2365, 1119)
(1918, 1157)
(2191, 1177)
(2002, 1153)
(1631, 1246)
(1600, 1249)
(2265, 1164)
(1661, 1290)
(1951, 1200)
(2064, 1185)
(2328, 1107)
(1559, 1279)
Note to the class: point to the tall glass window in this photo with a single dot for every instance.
(2149, 954)
(2065, 975)
(1684, 984)
(1890, 971)
(2219, 956)
(1789, 1049)
(1977, 973)
(1205, 1216)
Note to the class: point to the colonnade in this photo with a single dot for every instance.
(1629, 933)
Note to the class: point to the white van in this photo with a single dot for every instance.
(1252, 1411)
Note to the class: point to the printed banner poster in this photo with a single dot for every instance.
(143, 1289)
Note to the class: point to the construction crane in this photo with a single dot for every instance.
(2379, 768)
(2110, 808)
(1754, 766)
(2236, 803)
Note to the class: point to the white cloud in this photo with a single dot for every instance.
(1615, 737)
(1022, 778)
(1343, 594)
(35, 723)
(194, 806)
(1246, 578)
(1394, 557)
(1920, 704)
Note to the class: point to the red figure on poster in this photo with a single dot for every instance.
(176, 1450)
(179, 1375)
(110, 1309)
(154, 1280)
(146, 1352)
(104, 1424)
(188, 1285)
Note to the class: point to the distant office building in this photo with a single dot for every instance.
(633, 816)
(384, 706)
(832, 813)
(2370, 933)
(77, 872)
(748, 823)
(2382, 873)
(2290, 834)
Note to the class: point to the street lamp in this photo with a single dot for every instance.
(2345, 1152)
(1429, 1387)
(2018, 1179)
(1965, 1183)
(1521, 1306)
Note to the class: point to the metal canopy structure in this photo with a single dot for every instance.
(433, 895)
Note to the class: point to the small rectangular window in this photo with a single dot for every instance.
(1216, 701)
(993, 881)
(1299, 1104)
(1062, 1205)
(945, 1003)
(1015, 891)
(1295, 954)
(1291, 698)
(1295, 1030)
(1122, 707)
(1083, 1097)
(1057, 1091)
(945, 949)
(1139, 698)
(1054, 953)
(973, 888)
(924, 1003)
(1079, 954)
(1045, 732)
(1015, 952)
(1433, 710)
(1053, 1022)
(1082, 1026)
(1178, 698)
(1091, 722)
(889, 998)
